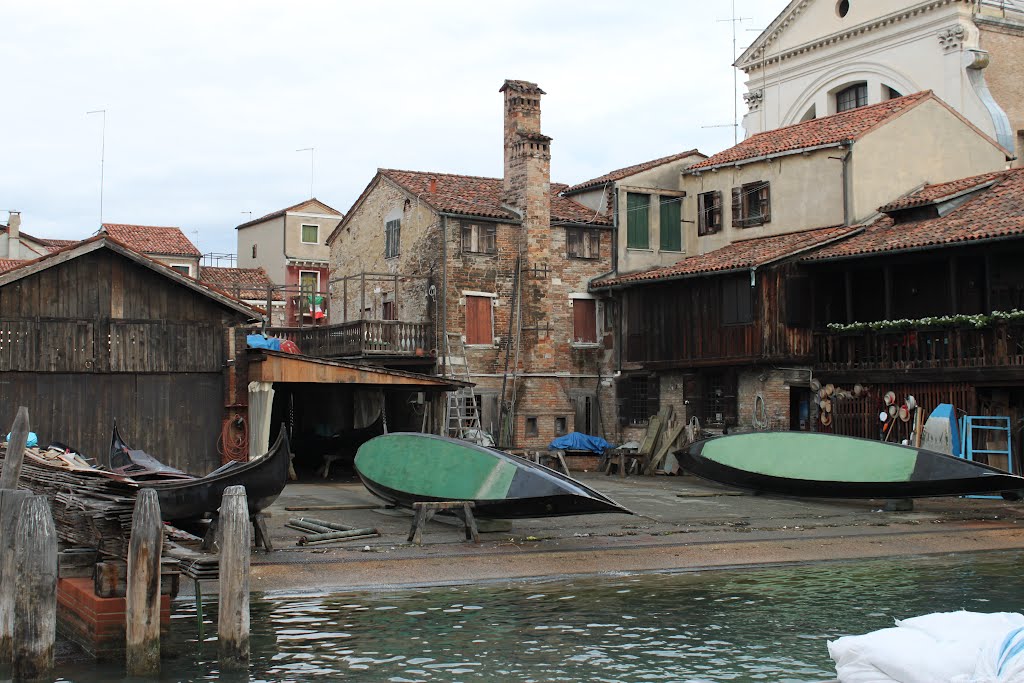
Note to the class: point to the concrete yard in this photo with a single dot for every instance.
(681, 523)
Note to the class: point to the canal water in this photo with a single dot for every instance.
(750, 624)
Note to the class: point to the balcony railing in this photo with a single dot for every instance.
(362, 338)
(996, 346)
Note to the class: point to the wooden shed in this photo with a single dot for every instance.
(97, 332)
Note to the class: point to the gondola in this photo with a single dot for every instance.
(189, 499)
(805, 464)
(406, 468)
(139, 465)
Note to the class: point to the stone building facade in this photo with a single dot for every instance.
(501, 268)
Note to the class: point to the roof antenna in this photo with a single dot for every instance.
(735, 125)
(103, 154)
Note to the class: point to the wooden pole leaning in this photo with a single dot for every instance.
(35, 622)
(233, 614)
(15, 451)
(142, 604)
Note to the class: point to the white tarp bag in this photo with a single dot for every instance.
(948, 647)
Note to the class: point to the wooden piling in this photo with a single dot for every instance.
(142, 604)
(10, 511)
(233, 614)
(35, 619)
(15, 451)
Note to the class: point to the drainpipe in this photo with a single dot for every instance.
(444, 294)
(615, 269)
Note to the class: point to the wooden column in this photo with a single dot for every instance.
(142, 605)
(233, 617)
(15, 451)
(35, 623)
(10, 511)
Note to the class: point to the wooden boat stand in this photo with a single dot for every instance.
(260, 532)
(425, 511)
(556, 458)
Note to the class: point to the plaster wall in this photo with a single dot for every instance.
(950, 150)
(268, 237)
(806, 193)
(296, 249)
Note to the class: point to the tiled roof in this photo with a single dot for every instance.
(524, 87)
(931, 194)
(477, 196)
(997, 211)
(56, 245)
(281, 212)
(828, 130)
(242, 283)
(738, 255)
(152, 239)
(10, 264)
(630, 170)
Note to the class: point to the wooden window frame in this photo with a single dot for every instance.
(752, 204)
(732, 313)
(576, 339)
(587, 242)
(302, 233)
(393, 238)
(490, 308)
(475, 235)
(859, 93)
(676, 230)
(709, 218)
(633, 222)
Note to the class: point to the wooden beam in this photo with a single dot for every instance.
(281, 369)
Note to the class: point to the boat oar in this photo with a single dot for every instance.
(342, 540)
(337, 535)
(326, 525)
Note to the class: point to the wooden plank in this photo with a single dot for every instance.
(666, 445)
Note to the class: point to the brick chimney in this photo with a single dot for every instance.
(527, 180)
(14, 235)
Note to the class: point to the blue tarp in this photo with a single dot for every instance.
(258, 341)
(574, 441)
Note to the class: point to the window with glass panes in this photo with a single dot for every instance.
(310, 234)
(851, 98)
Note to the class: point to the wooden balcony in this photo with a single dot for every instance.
(362, 338)
(946, 352)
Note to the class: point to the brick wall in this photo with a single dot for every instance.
(771, 385)
(1005, 45)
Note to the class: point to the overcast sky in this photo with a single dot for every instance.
(207, 102)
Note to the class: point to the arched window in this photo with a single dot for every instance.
(852, 97)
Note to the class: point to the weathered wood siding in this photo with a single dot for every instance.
(100, 338)
(680, 323)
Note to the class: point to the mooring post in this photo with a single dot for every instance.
(10, 511)
(233, 580)
(15, 451)
(142, 601)
(35, 618)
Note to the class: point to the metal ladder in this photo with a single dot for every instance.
(463, 414)
(970, 424)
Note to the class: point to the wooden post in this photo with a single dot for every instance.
(15, 451)
(10, 510)
(142, 605)
(35, 622)
(233, 617)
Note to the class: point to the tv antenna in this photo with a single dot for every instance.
(103, 154)
(311, 151)
(735, 125)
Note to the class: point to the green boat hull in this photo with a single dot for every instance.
(405, 468)
(828, 466)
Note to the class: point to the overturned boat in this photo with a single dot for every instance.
(191, 498)
(826, 466)
(406, 468)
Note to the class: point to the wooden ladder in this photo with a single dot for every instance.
(463, 414)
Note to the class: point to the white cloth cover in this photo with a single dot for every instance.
(945, 647)
(261, 402)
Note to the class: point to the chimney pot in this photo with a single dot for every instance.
(432, 186)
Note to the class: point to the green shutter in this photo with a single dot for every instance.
(638, 208)
(671, 226)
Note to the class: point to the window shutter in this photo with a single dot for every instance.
(580, 405)
(478, 320)
(467, 238)
(584, 321)
(737, 207)
(764, 196)
(702, 214)
(716, 211)
(638, 207)
(671, 224)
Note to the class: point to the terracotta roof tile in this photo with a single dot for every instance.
(828, 130)
(152, 239)
(478, 196)
(621, 173)
(997, 211)
(7, 264)
(242, 283)
(931, 194)
(281, 212)
(738, 255)
(55, 245)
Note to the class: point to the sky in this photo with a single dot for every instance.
(207, 103)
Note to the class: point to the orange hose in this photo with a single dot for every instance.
(233, 442)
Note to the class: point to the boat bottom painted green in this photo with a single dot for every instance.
(827, 466)
(406, 468)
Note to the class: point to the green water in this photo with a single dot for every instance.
(762, 624)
